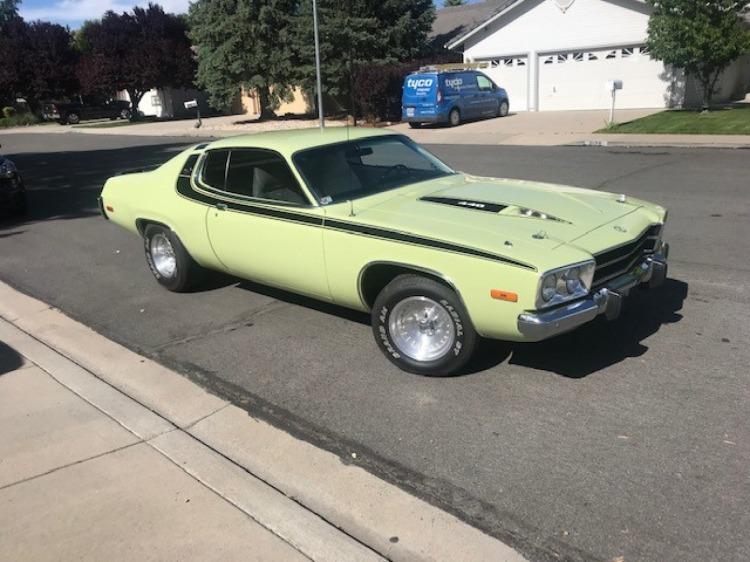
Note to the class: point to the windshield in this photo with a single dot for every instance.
(348, 170)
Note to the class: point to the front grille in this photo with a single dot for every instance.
(614, 262)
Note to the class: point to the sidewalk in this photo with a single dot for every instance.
(106, 455)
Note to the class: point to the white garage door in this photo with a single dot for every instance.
(577, 79)
(511, 73)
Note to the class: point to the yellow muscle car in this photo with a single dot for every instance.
(370, 220)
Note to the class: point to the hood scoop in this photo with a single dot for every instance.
(466, 204)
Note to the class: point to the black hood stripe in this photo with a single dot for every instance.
(466, 203)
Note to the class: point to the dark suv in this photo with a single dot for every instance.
(77, 111)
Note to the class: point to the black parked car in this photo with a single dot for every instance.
(12, 190)
(77, 111)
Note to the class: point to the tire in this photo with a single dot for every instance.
(73, 118)
(125, 114)
(454, 117)
(411, 296)
(164, 249)
(414, 125)
(503, 108)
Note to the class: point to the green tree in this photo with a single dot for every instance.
(700, 37)
(8, 12)
(354, 33)
(451, 3)
(243, 43)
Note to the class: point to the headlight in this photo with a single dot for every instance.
(566, 283)
(7, 169)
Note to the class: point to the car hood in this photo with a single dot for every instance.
(527, 221)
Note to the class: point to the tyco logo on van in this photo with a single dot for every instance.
(454, 83)
(419, 82)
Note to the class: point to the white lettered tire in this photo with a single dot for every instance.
(422, 327)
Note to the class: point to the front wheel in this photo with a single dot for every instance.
(415, 125)
(168, 259)
(502, 109)
(73, 118)
(422, 326)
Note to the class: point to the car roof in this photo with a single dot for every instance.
(290, 141)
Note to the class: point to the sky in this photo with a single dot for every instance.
(73, 12)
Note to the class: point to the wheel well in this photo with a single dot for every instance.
(141, 225)
(375, 277)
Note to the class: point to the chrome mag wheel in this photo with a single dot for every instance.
(421, 328)
(163, 255)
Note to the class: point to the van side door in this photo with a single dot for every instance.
(487, 92)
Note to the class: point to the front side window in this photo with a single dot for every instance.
(366, 166)
(484, 83)
(252, 173)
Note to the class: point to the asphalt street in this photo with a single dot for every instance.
(628, 439)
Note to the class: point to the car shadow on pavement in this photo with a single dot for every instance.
(10, 359)
(307, 302)
(66, 184)
(601, 344)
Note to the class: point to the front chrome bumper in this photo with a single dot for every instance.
(607, 300)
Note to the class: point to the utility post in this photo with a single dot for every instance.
(317, 64)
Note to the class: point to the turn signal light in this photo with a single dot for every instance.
(504, 295)
(110, 208)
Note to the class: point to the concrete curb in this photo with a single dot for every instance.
(388, 520)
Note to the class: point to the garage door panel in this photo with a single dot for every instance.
(511, 73)
(577, 80)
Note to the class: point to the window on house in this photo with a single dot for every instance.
(611, 55)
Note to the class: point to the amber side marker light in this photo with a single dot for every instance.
(504, 295)
(110, 208)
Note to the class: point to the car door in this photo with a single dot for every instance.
(262, 225)
(472, 96)
(487, 100)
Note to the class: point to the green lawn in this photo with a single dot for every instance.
(728, 121)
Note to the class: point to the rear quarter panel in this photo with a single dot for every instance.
(152, 197)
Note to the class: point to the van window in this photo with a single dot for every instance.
(484, 83)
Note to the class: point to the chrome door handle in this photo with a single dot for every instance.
(221, 206)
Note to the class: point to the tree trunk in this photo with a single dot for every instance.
(266, 107)
(708, 79)
(135, 100)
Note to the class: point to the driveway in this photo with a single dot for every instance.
(620, 440)
(532, 128)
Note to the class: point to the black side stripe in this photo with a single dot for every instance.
(185, 189)
(420, 241)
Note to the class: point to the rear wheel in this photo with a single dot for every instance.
(414, 125)
(454, 117)
(73, 118)
(168, 259)
(125, 114)
(422, 326)
(502, 109)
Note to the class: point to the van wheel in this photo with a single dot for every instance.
(73, 118)
(502, 109)
(414, 125)
(454, 117)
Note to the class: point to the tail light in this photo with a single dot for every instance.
(439, 96)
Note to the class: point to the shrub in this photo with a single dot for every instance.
(8, 111)
(18, 120)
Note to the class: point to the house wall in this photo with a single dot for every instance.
(250, 104)
(570, 55)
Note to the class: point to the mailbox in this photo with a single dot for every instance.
(613, 85)
(192, 104)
